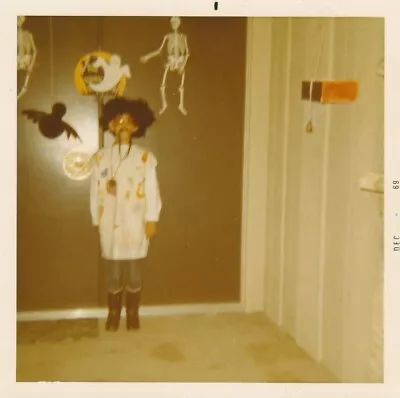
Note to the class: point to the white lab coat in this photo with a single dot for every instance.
(122, 218)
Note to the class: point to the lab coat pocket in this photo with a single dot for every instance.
(137, 225)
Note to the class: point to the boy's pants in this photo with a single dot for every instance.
(122, 274)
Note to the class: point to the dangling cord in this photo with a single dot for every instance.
(309, 127)
(121, 159)
(51, 57)
(127, 152)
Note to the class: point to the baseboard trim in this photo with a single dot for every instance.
(100, 313)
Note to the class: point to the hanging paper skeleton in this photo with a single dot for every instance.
(51, 124)
(26, 54)
(178, 54)
(101, 72)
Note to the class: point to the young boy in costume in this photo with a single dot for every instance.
(125, 204)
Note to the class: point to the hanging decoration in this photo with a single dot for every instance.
(78, 163)
(51, 124)
(323, 91)
(178, 54)
(26, 54)
(101, 72)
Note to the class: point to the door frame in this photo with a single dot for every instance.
(256, 133)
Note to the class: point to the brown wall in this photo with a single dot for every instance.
(57, 250)
(196, 256)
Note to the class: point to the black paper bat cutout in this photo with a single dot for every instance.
(51, 124)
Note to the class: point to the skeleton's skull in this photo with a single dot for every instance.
(175, 23)
(20, 20)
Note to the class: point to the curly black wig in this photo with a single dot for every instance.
(138, 109)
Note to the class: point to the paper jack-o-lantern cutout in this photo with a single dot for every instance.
(26, 54)
(101, 72)
(78, 164)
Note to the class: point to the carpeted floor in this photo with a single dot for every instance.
(56, 331)
(191, 348)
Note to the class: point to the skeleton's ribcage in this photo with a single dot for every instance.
(25, 50)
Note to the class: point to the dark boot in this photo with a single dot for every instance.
(114, 311)
(132, 310)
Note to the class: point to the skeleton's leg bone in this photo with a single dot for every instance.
(162, 89)
(181, 105)
(182, 91)
(163, 101)
(24, 88)
(22, 92)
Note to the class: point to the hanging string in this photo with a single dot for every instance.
(51, 56)
(99, 96)
(99, 33)
(309, 127)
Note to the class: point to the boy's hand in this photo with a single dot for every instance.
(151, 229)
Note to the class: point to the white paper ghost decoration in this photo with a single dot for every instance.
(113, 72)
